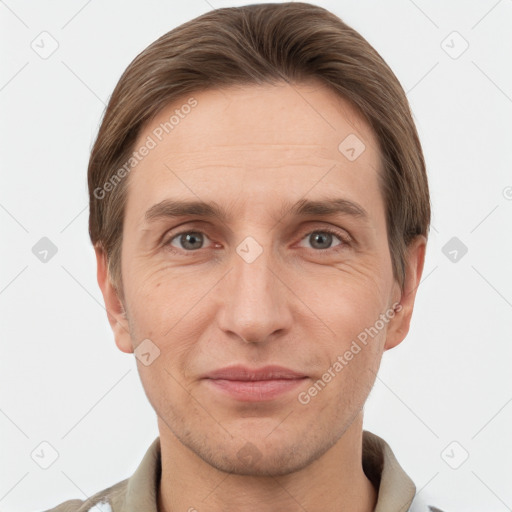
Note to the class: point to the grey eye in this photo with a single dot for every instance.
(190, 240)
(322, 239)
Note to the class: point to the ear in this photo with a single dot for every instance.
(399, 326)
(116, 313)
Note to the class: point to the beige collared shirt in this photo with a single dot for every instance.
(139, 492)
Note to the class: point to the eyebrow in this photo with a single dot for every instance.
(169, 208)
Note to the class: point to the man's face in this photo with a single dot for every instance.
(264, 285)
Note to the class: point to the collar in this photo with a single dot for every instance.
(396, 489)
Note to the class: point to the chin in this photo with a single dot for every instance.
(258, 455)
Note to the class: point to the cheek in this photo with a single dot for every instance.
(346, 299)
(348, 330)
(349, 369)
(159, 299)
(170, 310)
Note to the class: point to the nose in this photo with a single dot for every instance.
(257, 300)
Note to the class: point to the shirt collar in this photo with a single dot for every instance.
(395, 489)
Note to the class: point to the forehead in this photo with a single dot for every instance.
(269, 141)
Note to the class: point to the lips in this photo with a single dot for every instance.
(254, 384)
(243, 373)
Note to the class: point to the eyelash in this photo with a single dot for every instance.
(344, 239)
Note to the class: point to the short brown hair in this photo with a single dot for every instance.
(261, 44)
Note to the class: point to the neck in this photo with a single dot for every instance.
(333, 482)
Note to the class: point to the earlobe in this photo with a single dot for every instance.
(116, 313)
(415, 260)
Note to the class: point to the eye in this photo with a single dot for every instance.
(189, 241)
(322, 239)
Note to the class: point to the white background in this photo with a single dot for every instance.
(62, 378)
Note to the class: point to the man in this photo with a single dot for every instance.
(259, 209)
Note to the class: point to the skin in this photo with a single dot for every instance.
(255, 150)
